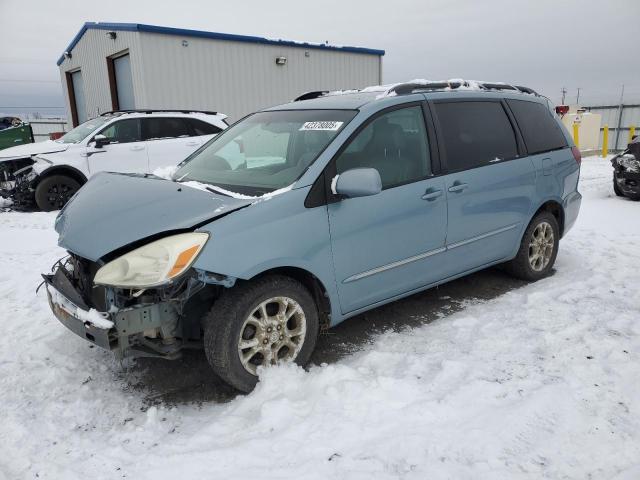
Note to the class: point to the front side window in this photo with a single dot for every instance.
(164, 127)
(475, 134)
(123, 131)
(264, 152)
(539, 129)
(83, 131)
(395, 144)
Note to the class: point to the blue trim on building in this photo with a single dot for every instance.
(140, 27)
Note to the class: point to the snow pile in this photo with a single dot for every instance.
(165, 172)
(387, 90)
(540, 382)
(97, 319)
(5, 202)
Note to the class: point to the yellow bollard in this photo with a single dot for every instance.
(605, 141)
(632, 132)
(576, 136)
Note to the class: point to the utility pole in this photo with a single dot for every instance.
(619, 126)
(564, 94)
(578, 97)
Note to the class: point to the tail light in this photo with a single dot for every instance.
(576, 155)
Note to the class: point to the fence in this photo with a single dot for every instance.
(620, 119)
(42, 127)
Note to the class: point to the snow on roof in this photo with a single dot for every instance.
(140, 27)
(457, 84)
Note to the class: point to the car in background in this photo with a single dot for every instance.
(333, 206)
(14, 132)
(626, 171)
(47, 174)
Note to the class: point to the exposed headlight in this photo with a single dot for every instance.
(153, 264)
(629, 162)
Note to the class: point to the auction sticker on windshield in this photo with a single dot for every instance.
(327, 125)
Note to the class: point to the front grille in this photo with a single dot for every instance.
(83, 273)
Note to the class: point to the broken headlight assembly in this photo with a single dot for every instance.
(154, 264)
(629, 163)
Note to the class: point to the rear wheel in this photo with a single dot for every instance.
(52, 193)
(260, 323)
(538, 249)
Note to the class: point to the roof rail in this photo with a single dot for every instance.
(527, 90)
(417, 86)
(158, 110)
(407, 88)
(311, 95)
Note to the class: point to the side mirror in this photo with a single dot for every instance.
(100, 141)
(357, 182)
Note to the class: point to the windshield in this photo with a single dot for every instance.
(83, 131)
(264, 152)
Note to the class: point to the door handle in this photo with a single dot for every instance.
(431, 195)
(458, 187)
(192, 144)
(136, 148)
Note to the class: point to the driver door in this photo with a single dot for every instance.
(126, 152)
(391, 243)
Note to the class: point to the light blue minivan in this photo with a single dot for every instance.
(303, 215)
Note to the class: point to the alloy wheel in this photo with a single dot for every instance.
(541, 245)
(59, 194)
(273, 333)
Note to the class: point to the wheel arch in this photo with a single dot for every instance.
(67, 170)
(554, 207)
(312, 283)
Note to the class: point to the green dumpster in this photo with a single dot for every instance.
(15, 134)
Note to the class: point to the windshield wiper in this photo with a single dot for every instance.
(213, 190)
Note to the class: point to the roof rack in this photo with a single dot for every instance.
(417, 86)
(407, 88)
(158, 110)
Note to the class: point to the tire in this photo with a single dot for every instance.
(234, 314)
(52, 193)
(523, 266)
(616, 189)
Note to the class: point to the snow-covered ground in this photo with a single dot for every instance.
(541, 382)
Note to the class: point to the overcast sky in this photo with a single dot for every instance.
(544, 44)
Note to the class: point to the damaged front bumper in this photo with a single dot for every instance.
(18, 185)
(155, 324)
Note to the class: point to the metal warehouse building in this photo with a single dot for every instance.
(121, 66)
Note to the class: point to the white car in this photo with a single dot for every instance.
(49, 173)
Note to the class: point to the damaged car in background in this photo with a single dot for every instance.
(626, 171)
(47, 174)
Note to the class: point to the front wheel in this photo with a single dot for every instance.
(616, 188)
(260, 323)
(538, 249)
(52, 193)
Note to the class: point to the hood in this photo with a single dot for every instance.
(114, 210)
(29, 149)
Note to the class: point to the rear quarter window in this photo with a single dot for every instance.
(539, 129)
(475, 133)
(203, 128)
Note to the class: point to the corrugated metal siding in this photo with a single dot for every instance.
(90, 56)
(238, 78)
(630, 116)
